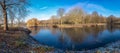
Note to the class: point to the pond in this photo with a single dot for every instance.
(84, 38)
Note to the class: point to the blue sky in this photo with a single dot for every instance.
(44, 9)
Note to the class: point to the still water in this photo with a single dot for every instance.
(75, 38)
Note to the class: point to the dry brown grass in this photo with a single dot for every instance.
(16, 40)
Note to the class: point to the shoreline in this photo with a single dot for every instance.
(71, 25)
(81, 25)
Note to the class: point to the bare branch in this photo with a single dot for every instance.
(12, 4)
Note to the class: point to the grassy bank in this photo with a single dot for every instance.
(17, 40)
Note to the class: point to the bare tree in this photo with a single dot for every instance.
(76, 15)
(33, 22)
(111, 19)
(53, 19)
(95, 16)
(12, 8)
(60, 14)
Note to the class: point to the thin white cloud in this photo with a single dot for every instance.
(42, 8)
(96, 7)
(86, 5)
(90, 7)
(102, 9)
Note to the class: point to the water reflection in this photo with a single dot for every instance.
(76, 38)
(34, 30)
(79, 34)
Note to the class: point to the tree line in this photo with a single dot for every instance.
(77, 15)
(74, 16)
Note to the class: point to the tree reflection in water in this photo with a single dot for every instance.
(79, 34)
(75, 38)
(76, 34)
(34, 30)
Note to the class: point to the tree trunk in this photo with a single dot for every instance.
(4, 15)
(61, 22)
(5, 19)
